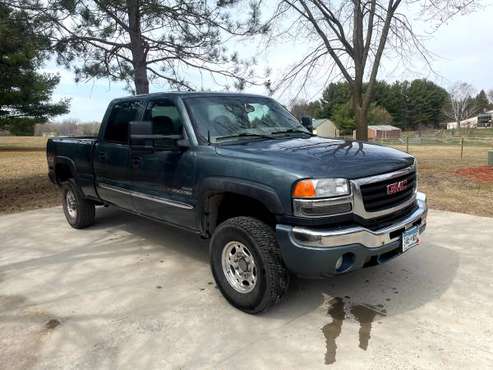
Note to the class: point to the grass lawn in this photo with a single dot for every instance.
(446, 190)
(24, 182)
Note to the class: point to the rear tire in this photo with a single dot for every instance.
(79, 212)
(246, 264)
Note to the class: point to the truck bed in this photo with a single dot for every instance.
(75, 153)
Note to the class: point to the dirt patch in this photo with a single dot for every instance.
(52, 324)
(480, 174)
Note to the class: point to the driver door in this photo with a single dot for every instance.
(163, 176)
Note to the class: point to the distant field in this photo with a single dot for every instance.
(24, 182)
(24, 143)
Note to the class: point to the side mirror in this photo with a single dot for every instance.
(307, 122)
(142, 137)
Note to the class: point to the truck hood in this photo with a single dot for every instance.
(319, 157)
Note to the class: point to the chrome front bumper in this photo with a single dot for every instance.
(361, 235)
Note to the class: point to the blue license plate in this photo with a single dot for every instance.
(410, 238)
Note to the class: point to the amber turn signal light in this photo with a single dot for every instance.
(304, 189)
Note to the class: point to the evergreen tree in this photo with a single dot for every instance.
(302, 108)
(410, 104)
(24, 93)
(137, 41)
(481, 102)
(334, 95)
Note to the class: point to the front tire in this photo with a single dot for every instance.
(79, 212)
(247, 265)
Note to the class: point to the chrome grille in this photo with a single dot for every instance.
(375, 197)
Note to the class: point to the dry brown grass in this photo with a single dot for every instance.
(24, 182)
(446, 190)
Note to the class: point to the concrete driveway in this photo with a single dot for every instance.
(132, 293)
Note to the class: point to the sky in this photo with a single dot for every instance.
(462, 51)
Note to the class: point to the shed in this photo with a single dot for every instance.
(324, 127)
(384, 132)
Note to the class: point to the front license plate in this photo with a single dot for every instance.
(410, 238)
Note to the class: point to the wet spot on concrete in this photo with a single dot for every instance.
(52, 324)
(340, 310)
(333, 330)
(365, 316)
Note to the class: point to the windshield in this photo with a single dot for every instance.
(223, 118)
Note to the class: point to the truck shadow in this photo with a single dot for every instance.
(421, 275)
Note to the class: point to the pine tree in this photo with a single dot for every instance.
(137, 41)
(24, 93)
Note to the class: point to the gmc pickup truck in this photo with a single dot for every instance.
(273, 198)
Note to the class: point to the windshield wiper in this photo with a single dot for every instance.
(243, 134)
(292, 131)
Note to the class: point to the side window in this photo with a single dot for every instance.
(165, 118)
(120, 116)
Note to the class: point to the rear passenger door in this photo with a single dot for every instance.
(112, 154)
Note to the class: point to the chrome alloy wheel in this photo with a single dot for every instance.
(71, 204)
(239, 267)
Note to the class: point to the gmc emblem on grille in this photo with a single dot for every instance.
(396, 187)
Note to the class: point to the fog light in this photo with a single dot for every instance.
(339, 262)
(344, 262)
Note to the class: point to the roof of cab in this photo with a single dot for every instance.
(183, 94)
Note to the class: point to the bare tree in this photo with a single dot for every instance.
(461, 103)
(352, 37)
(140, 40)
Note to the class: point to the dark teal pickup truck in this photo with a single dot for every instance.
(240, 169)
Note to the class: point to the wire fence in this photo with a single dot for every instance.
(457, 141)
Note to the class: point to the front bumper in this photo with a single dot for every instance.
(314, 252)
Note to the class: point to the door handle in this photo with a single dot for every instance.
(102, 156)
(136, 162)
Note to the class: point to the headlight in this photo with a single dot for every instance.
(320, 188)
(321, 197)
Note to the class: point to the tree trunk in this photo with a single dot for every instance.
(138, 48)
(360, 109)
(361, 116)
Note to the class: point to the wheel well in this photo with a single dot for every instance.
(221, 207)
(62, 172)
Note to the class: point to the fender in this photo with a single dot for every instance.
(71, 165)
(86, 184)
(212, 186)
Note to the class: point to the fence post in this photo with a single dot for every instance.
(461, 147)
(407, 143)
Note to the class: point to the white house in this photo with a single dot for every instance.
(325, 127)
(467, 123)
